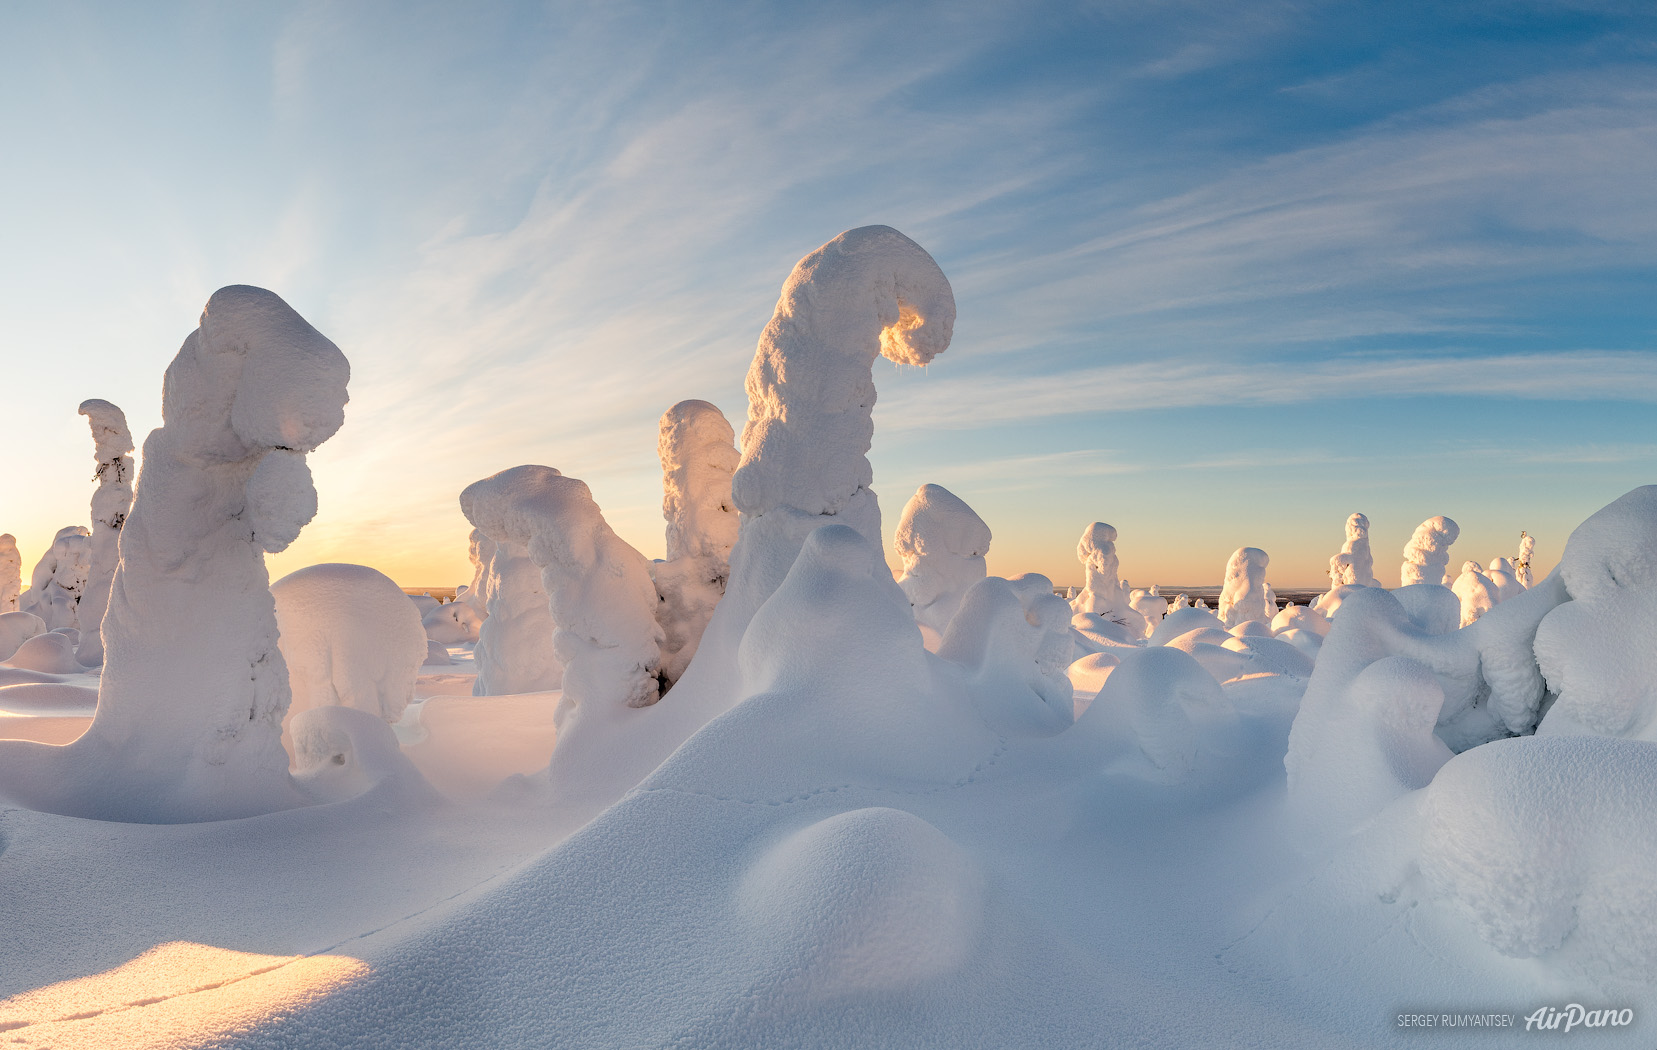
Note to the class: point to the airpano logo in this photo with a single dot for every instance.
(1575, 1015)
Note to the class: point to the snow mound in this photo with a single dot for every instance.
(1013, 639)
(1596, 650)
(350, 638)
(1541, 842)
(871, 900)
(941, 543)
(1171, 709)
(341, 752)
(49, 653)
(1476, 592)
(17, 628)
(1183, 621)
(452, 623)
(437, 655)
(1300, 617)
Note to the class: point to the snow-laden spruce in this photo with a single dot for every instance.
(697, 448)
(11, 573)
(598, 587)
(1427, 555)
(194, 687)
(1475, 590)
(1521, 562)
(1244, 595)
(1356, 549)
(350, 638)
(1104, 594)
(59, 579)
(941, 543)
(111, 503)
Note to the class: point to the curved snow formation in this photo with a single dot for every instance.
(1243, 596)
(1427, 555)
(11, 573)
(111, 504)
(598, 587)
(1104, 594)
(941, 543)
(871, 292)
(251, 391)
(350, 638)
(697, 448)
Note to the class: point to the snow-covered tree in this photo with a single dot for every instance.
(1104, 594)
(1427, 555)
(697, 448)
(1521, 564)
(1243, 596)
(111, 504)
(11, 573)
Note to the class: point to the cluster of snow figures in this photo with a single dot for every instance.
(783, 762)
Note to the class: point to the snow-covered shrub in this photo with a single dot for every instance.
(698, 453)
(11, 573)
(1300, 617)
(1104, 594)
(452, 623)
(111, 504)
(1243, 596)
(1427, 555)
(941, 543)
(1475, 591)
(59, 579)
(598, 587)
(350, 638)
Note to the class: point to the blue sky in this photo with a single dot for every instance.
(1225, 272)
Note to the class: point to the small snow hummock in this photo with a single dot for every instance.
(194, 687)
(1013, 639)
(1427, 555)
(1244, 595)
(598, 587)
(941, 542)
(111, 504)
(1104, 594)
(11, 573)
(17, 628)
(697, 448)
(59, 579)
(350, 638)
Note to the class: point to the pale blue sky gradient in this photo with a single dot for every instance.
(1226, 272)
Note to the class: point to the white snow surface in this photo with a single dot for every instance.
(941, 543)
